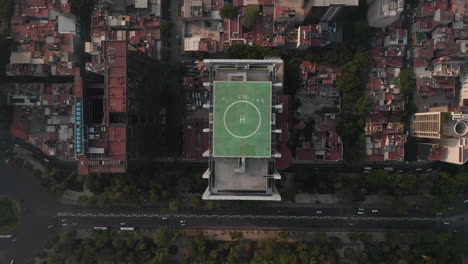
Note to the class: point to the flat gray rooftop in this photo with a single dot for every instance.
(253, 179)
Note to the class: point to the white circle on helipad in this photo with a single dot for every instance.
(259, 119)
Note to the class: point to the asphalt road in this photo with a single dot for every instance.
(38, 210)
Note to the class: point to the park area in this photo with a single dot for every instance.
(242, 119)
(9, 214)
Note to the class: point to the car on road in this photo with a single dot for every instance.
(466, 201)
(319, 212)
(360, 212)
(429, 170)
(360, 209)
(439, 213)
(122, 224)
(49, 227)
(64, 224)
(182, 221)
(63, 220)
(100, 228)
(375, 210)
(12, 261)
(367, 168)
(446, 223)
(418, 169)
(388, 168)
(164, 218)
(46, 160)
(127, 228)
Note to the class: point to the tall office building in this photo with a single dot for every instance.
(242, 129)
(442, 135)
(382, 13)
(116, 110)
(316, 11)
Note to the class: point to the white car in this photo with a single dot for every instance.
(164, 218)
(375, 210)
(446, 223)
(466, 201)
(122, 224)
(319, 212)
(182, 221)
(361, 209)
(360, 212)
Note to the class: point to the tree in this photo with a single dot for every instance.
(174, 205)
(160, 256)
(228, 11)
(251, 17)
(197, 202)
(362, 59)
(407, 82)
(363, 105)
(162, 236)
(236, 235)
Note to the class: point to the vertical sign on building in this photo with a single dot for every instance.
(78, 128)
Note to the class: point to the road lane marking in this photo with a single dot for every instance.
(273, 217)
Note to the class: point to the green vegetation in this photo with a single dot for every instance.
(420, 247)
(446, 189)
(109, 247)
(201, 250)
(251, 17)
(407, 82)
(355, 105)
(57, 181)
(445, 117)
(424, 247)
(228, 11)
(144, 185)
(336, 53)
(438, 191)
(9, 216)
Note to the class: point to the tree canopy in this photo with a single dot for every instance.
(407, 82)
(228, 11)
(251, 17)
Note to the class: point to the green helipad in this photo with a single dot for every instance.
(242, 119)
